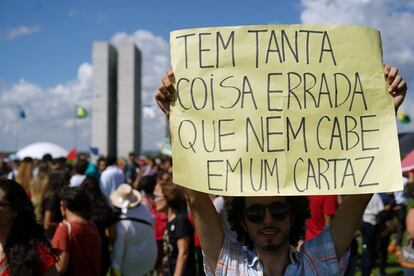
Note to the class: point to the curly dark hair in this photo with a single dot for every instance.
(21, 248)
(299, 212)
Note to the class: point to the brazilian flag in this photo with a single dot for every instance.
(81, 112)
(403, 117)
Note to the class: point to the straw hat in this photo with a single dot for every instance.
(125, 197)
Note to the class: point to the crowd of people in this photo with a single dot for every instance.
(95, 218)
(114, 216)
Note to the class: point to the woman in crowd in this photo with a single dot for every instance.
(102, 215)
(25, 173)
(179, 236)
(101, 164)
(150, 167)
(24, 250)
(51, 213)
(38, 186)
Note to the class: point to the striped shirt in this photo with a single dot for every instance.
(316, 257)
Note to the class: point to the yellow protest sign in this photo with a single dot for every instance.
(282, 110)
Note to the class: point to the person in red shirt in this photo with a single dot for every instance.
(24, 249)
(76, 239)
(322, 209)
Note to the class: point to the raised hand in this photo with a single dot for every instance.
(166, 92)
(397, 86)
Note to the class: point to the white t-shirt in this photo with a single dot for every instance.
(135, 248)
(400, 195)
(375, 206)
(76, 180)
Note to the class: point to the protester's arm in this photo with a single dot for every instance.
(47, 261)
(183, 245)
(349, 214)
(47, 220)
(206, 221)
(62, 263)
(207, 225)
(60, 242)
(347, 220)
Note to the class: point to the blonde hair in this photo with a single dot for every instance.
(37, 188)
(25, 174)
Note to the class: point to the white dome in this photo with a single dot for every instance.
(37, 150)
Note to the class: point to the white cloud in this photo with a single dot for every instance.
(395, 20)
(51, 110)
(21, 31)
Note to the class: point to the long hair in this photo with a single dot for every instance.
(38, 186)
(25, 173)
(174, 195)
(57, 181)
(299, 212)
(101, 212)
(21, 248)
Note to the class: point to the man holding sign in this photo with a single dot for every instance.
(268, 112)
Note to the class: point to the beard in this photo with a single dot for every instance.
(274, 246)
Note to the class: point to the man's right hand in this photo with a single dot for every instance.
(166, 92)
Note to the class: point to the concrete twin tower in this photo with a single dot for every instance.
(116, 100)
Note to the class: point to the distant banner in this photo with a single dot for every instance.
(282, 110)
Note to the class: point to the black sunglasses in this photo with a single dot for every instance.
(256, 212)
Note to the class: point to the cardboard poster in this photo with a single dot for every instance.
(282, 110)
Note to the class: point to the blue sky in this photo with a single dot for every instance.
(45, 51)
(66, 29)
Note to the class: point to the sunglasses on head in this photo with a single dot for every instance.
(256, 212)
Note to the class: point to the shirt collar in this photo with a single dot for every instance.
(254, 263)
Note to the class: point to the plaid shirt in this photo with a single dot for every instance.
(316, 257)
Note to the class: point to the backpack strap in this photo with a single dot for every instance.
(68, 226)
(136, 220)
